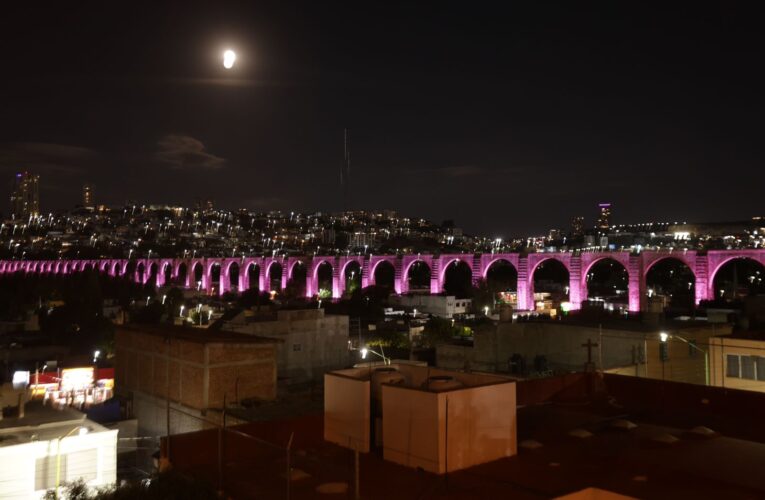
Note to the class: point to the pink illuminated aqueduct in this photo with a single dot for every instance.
(183, 272)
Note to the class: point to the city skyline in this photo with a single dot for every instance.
(470, 115)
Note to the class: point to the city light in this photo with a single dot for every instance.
(229, 58)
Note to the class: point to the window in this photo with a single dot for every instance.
(747, 367)
(664, 351)
(693, 350)
(733, 366)
(297, 347)
(759, 364)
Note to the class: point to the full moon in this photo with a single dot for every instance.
(229, 57)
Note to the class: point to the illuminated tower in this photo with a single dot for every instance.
(25, 199)
(87, 195)
(604, 219)
(577, 226)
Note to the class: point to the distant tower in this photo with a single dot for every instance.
(604, 219)
(345, 170)
(577, 226)
(25, 199)
(87, 195)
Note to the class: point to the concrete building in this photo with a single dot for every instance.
(41, 446)
(310, 342)
(25, 199)
(604, 217)
(191, 371)
(422, 417)
(444, 306)
(738, 362)
(623, 347)
(87, 195)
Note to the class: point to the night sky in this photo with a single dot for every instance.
(508, 121)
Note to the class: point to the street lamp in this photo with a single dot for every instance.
(366, 350)
(82, 431)
(229, 58)
(663, 336)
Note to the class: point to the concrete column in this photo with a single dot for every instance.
(476, 270)
(399, 280)
(286, 266)
(636, 289)
(525, 294)
(244, 277)
(577, 287)
(160, 281)
(225, 280)
(309, 279)
(367, 279)
(436, 284)
(703, 285)
(338, 281)
(265, 278)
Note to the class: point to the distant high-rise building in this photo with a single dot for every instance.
(25, 199)
(577, 226)
(87, 195)
(604, 219)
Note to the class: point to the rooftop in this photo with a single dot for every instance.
(197, 335)
(628, 462)
(42, 423)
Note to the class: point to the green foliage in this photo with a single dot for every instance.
(439, 331)
(164, 486)
(325, 293)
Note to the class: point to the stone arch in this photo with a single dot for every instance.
(181, 273)
(617, 277)
(251, 276)
(675, 287)
(389, 281)
(140, 273)
(758, 278)
(323, 273)
(406, 277)
(214, 276)
(350, 276)
(502, 284)
(165, 275)
(197, 275)
(456, 278)
(274, 275)
(560, 292)
(233, 271)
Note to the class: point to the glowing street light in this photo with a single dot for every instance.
(365, 350)
(229, 58)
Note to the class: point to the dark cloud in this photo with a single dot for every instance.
(46, 158)
(185, 152)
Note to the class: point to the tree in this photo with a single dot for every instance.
(438, 331)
